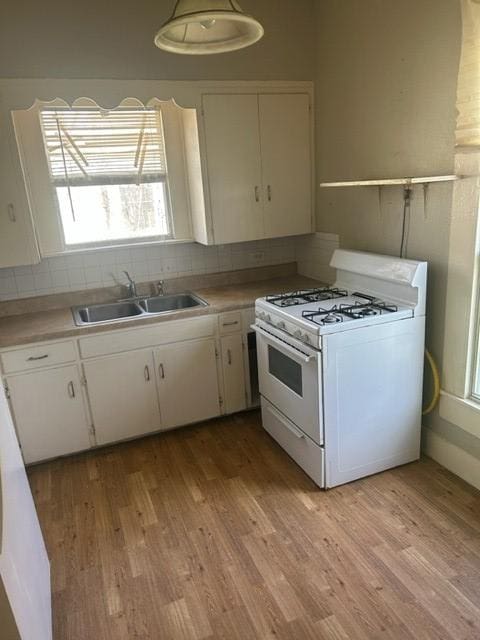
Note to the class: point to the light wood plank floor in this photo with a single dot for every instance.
(213, 532)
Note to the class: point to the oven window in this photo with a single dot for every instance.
(285, 369)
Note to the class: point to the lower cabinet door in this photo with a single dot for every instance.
(188, 382)
(49, 412)
(123, 396)
(233, 373)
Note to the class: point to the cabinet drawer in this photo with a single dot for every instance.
(229, 322)
(34, 357)
(140, 338)
(308, 455)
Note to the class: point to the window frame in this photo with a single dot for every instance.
(458, 404)
(41, 190)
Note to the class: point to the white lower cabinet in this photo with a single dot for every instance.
(233, 373)
(49, 412)
(147, 387)
(187, 382)
(123, 395)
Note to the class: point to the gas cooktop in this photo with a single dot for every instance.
(327, 310)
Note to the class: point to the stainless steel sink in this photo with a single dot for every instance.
(126, 309)
(106, 312)
(163, 304)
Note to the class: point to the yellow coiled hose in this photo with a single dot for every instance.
(436, 383)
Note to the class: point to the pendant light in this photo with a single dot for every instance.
(199, 27)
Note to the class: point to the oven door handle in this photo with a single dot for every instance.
(283, 346)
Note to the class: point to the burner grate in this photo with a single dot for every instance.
(356, 311)
(304, 296)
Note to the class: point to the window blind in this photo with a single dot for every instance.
(468, 90)
(88, 146)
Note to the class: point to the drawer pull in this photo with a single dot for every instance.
(230, 324)
(33, 358)
(257, 194)
(269, 193)
(162, 371)
(146, 373)
(296, 432)
(71, 389)
(229, 356)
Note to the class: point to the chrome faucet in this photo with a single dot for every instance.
(132, 286)
(160, 286)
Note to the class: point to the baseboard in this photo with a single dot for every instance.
(451, 457)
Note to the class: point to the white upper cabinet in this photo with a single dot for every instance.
(286, 168)
(17, 239)
(258, 157)
(234, 167)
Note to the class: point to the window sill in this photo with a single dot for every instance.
(117, 245)
(462, 412)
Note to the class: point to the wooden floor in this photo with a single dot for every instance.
(213, 532)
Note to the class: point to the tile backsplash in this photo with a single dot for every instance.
(314, 253)
(96, 269)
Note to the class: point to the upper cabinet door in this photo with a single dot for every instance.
(285, 133)
(187, 382)
(234, 167)
(17, 239)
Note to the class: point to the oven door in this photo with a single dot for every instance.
(290, 378)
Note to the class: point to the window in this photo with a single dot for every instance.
(109, 173)
(100, 177)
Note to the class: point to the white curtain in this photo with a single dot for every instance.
(468, 92)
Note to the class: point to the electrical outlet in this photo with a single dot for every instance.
(258, 256)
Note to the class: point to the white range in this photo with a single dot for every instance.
(341, 368)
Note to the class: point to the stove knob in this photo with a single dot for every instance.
(268, 317)
(281, 325)
(306, 337)
(297, 333)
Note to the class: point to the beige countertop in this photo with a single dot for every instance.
(55, 324)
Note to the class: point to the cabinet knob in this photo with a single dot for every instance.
(269, 193)
(257, 194)
(146, 373)
(229, 356)
(161, 371)
(71, 389)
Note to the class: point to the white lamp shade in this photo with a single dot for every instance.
(200, 27)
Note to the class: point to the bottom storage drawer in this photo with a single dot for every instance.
(308, 455)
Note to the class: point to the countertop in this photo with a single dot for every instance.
(55, 324)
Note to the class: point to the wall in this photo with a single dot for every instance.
(88, 40)
(91, 270)
(386, 88)
(105, 39)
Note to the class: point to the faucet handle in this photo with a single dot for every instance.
(160, 287)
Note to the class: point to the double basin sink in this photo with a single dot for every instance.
(125, 309)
